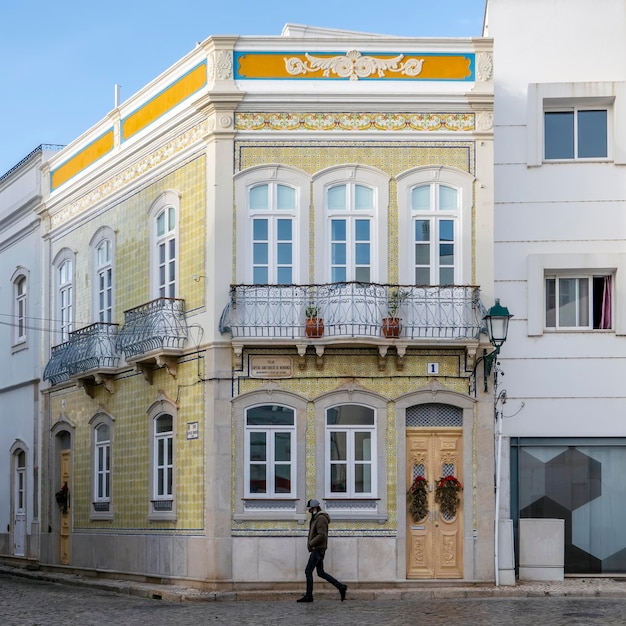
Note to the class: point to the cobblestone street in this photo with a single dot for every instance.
(32, 602)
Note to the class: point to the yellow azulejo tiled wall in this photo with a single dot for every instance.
(359, 368)
(130, 221)
(131, 449)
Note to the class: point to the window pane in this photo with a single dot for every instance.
(282, 446)
(260, 253)
(338, 446)
(592, 134)
(338, 230)
(550, 303)
(350, 415)
(260, 276)
(339, 275)
(420, 198)
(363, 198)
(338, 478)
(363, 446)
(422, 254)
(286, 199)
(258, 481)
(446, 254)
(270, 415)
(160, 224)
(258, 198)
(337, 198)
(258, 446)
(362, 275)
(583, 299)
(259, 230)
(171, 219)
(447, 198)
(284, 230)
(422, 276)
(282, 479)
(362, 253)
(568, 301)
(284, 276)
(559, 135)
(362, 230)
(446, 276)
(422, 230)
(363, 478)
(164, 424)
(338, 254)
(283, 251)
(102, 433)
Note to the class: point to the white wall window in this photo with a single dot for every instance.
(579, 302)
(270, 452)
(351, 451)
(20, 290)
(575, 133)
(164, 236)
(272, 226)
(434, 226)
(102, 463)
(351, 203)
(273, 213)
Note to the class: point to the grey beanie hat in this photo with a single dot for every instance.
(312, 503)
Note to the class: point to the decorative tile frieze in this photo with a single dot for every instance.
(455, 122)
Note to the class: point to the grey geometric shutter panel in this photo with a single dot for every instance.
(434, 415)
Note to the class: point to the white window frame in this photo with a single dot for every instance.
(258, 507)
(273, 175)
(271, 462)
(594, 95)
(351, 175)
(539, 266)
(351, 461)
(102, 504)
(103, 272)
(576, 109)
(63, 267)
(165, 286)
(435, 176)
(162, 505)
(21, 304)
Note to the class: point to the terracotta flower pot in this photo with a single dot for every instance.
(314, 327)
(391, 327)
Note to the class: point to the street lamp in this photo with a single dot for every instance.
(497, 322)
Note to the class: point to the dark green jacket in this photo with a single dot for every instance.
(318, 532)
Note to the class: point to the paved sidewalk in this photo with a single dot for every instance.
(424, 590)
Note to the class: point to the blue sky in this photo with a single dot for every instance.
(59, 61)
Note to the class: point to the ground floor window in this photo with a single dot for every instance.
(579, 481)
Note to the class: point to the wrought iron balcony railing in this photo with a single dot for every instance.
(159, 325)
(89, 349)
(353, 309)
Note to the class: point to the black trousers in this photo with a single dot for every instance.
(316, 562)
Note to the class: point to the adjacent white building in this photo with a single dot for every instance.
(21, 327)
(560, 267)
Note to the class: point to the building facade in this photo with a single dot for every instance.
(20, 344)
(559, 263)
(268, 271)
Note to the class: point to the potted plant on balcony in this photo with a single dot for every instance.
(391, 325)
(314, 325)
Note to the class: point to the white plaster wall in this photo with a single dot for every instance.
(571, 384)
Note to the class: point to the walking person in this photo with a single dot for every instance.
(317, 544)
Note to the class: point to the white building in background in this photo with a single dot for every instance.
(20, 352)
(560, 267)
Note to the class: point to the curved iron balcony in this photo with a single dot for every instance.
(353, 310)
(88, 350)
(158, 325)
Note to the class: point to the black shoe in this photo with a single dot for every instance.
(306, 598)
(342, 592)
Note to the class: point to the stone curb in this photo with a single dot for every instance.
(575, 587)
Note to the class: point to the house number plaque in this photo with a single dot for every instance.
(271, 367)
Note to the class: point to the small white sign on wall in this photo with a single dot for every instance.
(192, 430)
(433, 369)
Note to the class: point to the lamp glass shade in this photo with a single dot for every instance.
(497, 321)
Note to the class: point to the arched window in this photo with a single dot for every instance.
(64, 285)
(164, 270)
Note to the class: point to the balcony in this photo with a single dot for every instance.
(89, 357)
(154, 334)
(353, 313)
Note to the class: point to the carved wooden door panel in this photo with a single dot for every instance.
(435, 542)
(65, 513)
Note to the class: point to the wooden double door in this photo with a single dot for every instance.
(435, 542)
